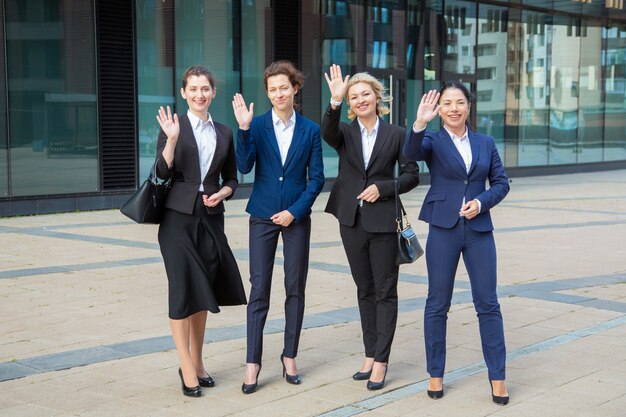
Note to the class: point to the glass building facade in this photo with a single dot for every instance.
(83, 79)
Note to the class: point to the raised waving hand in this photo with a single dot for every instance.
(242, 113)
(427, 110)
(336, 83)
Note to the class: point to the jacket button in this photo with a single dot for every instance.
(280, 178)
(465, 182)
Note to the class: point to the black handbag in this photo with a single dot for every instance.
(409, 248)
(147, 203)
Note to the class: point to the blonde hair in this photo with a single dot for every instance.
(379, 90)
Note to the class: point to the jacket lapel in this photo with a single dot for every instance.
(220, 148)
(447, 141)
(186, 134)
(381, 138)
(475, 145)
(355, 135)
(296, 139)
(269, 131)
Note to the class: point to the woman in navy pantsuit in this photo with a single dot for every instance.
(285, 150)
(197, 152)
(457, 209)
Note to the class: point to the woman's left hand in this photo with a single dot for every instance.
(283, 218)
(216, 198)
(370, 194)
(470, 210)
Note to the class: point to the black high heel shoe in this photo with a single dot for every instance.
(362, 376)
(497, 399)
(435, 395)
(373, 386)
(189, 391)
(206, 381)
(250, 388)
(292, 379)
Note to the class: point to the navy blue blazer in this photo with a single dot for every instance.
(294, 186)
(449, 180)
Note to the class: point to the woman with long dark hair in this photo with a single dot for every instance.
(457, 209)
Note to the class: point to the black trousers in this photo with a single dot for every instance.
(263, 241)
(372, 262)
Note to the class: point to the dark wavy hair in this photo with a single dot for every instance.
(198, 70)
(296, 77)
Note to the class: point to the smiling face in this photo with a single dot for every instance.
(362, 100)
(281, 93)
(199, 93)
(454, 109)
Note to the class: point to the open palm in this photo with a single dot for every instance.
(336, 83)
(429, 107)
(242, 113)
(168, 122)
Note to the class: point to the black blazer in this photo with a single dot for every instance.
(186, 167)
(353, 178)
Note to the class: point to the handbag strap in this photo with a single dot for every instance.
(154, 178)
(399, 207)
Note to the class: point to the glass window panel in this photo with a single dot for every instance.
(4, 144)
(52, 111)
(615, 93)
(255, 18)
(591, 106)
(155, 72)
(563, 41)
(205, 32)
(534, 109)
(340, 40)
(460, 30)
(491, 73)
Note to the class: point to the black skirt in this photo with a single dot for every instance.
(201, 269)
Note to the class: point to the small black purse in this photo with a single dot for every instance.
(409, 248)
(147, 203)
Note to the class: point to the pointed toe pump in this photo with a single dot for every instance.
(292, 379)
(189, 391)
(206, 381)
(373, 386)
(362, 376)
(500, 400)
(250, 388)
(435, 394)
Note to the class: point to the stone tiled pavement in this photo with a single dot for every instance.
(84, 330)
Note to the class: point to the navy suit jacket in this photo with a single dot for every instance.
(277, 187)
(450, 182)
(186, 167)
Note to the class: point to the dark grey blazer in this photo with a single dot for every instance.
(353, 178)
(186, 167)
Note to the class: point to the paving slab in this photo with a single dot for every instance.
(84, 330)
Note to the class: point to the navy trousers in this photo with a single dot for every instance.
(443, 250)
(263, 241)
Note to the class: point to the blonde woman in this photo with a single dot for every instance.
(362, 200)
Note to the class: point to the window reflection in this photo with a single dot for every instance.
(52, 97)
(533, 98)
(155, 73)
(491, 73)
(564, 91)
(614, 64)
(589, 89)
